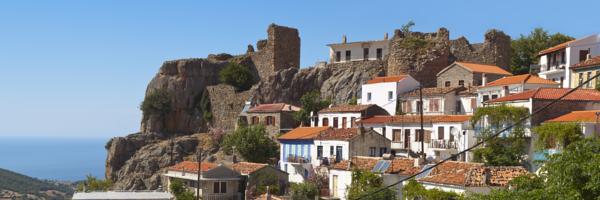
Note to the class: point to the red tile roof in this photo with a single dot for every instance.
(402, 166)
(247, 167)
(551, 94)
(472, 174)
(346, 108)
(192, 166)
(595, 61)
(434, 91)
(386, 79)
(338, 134)
(520, 79)
(483, 68)
(302, 133)
(380, 119)
(555, 48)
(273, 107)
(577, 116)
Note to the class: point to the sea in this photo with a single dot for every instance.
(62, 159)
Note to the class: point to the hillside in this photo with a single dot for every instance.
(18, 185)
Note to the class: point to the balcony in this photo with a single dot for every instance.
(399, 145)
(552, 68)
(297, 159)
(442, 144)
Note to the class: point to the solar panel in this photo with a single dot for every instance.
(386, 164)
(377, 166)
(381, 166)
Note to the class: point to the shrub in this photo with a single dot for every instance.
(237, 76)
(156, 102)
(304, 191)
(252, 143)
(92, 183)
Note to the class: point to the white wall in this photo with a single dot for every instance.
(357, 52)
(330, 117)
(344, 180)
(327, 144)
(379, 93)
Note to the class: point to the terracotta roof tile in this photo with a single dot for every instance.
(434, 91)
(520, 79)
(483, 68)
(346, 108)
(247, 167)
(472, 174)
(190, 166)
(380, 119)
(595, 61)
(338, 134)
(302, 133)
(273, 107)
(386, 79)
(471, 90)
(555, 48)
(402, 166)
(551, 94)
(577, 116)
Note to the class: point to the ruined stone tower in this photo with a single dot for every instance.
(281, 50)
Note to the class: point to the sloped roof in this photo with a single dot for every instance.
(483, 68)
(338, 134)
(471, 90)
(386, 79)
(520, 79)
(577, 116)
(190, 166)
(302, 133)
(381, 119)
(434, 91)
(472, 174)
(402, 166)
(247, 167)
(595, 61)
(346, 108)
(551, 94)
(273, 107)
(555, 48)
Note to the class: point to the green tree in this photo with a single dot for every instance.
(238, 76)
(366, 182)
(311, 102)
(180, 191)
(353, 101)
(414, 190)
(304, 191)
(156, 102)
(92, 183)
(510, 147)
(556, 135)
(525, 49)
(252, 143)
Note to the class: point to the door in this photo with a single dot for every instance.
(406, 138)
(334, 186)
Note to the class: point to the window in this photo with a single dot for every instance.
(390, 95)
(347, 55)
(338, 153)
(379, 53)
(419, 106)
(451, 133)
(418, 137)
(562, 57)
(440, 132)
(447, 84)
(461, 82)
(583, 54)
(325, 122)
(319, 152)
(458, 106)
(344, 122)
(580, 78)
(485, 98)
(365, 54)
(255, 120)
(335, 122)
(434, 105)
(368, 96)
(372, 151)
(382, 151)
(331, 153)
(397, 135)
(338, 56)
(270, 120)
(352, 121)
(494, 96)
(219, 187)
(589, 75)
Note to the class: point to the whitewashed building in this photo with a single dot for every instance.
(588, 120)
(555, 62)
(512, 85)
(444, 134)
(345, 116)
(358, 51)
(335, 145)
(295, 152)
(384, 91)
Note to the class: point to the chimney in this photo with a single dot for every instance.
(418, 162)
(588, 57)
(483, 79)
(344, 40)
(385, 37)
(361, 130)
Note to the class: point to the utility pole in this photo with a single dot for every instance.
(199, 160)
(422, 131)
(172, 144)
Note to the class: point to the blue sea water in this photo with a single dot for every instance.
(65, 159)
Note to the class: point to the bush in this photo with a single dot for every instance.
(304, 191)
(94, 184)
(157, 102)
(180, 191)
(252, 143)
(311, 102)
(237, 76)
(366, 182)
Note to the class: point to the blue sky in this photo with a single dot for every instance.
(80, 68)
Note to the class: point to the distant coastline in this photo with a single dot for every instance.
(63, 159)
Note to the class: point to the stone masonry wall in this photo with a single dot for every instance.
(280, 51)
(226, 105)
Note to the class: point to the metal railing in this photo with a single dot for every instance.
(297, 159)
(442, 144)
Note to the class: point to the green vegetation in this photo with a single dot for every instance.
(365, 182)
(353, 101)
(157, 102)
(266, 179)
(180, 191)
(252, 143)
(526, 48)
(414, 190)
(91, 183)
(509, 148)
(202, 105)
(311, 102)
(304, 191)
(237, 76)
(572, 174)
(553, 135)
(27, 185)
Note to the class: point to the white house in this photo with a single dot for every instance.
(588, 120)
(512, 85)
(345, 116)
(358, 51)
(335, 145)
(444, 134)
(295, 152)
(391, 170)
(384, 91)
(555, 62)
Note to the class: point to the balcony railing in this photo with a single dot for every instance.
(399, 145)
(442, 144)
(297, 159)
(553, 66)
(234, 196)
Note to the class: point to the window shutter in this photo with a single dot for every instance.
(427, 136)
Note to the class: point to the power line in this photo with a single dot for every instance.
(521, 120)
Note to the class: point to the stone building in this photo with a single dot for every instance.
(280, 51)
(276, 117)
(464, 74)
(585, 70)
